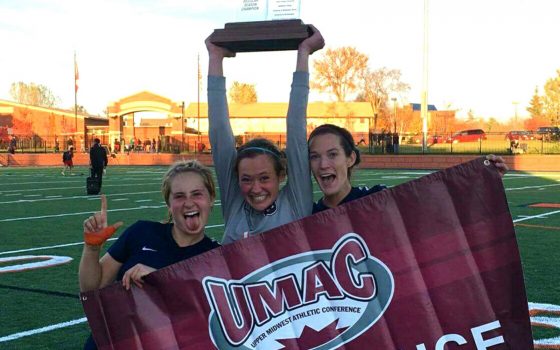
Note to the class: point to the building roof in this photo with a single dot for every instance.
(5, 107)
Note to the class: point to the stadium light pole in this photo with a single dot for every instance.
(424, 104)
(515, 103)
(394, 99)
(198, 78)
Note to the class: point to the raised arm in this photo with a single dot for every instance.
(299, 176)
(222, 140)
(314, 43)
(94, 272)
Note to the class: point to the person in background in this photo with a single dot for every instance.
(97, 160)
(250, 177)
(67, 159)
(396, 142)
(12, 146)
(189, 192)
(332, 156)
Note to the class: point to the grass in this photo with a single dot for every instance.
(41, 213)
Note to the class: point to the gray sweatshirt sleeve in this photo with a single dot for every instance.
(223, 143)
(299, 187)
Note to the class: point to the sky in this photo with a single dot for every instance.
(484, 56)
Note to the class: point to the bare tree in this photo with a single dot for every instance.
(242, 93)
(552, 99)
(33, 94)
(338, 71)
(376, 88)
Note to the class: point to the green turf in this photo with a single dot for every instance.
(40, 208)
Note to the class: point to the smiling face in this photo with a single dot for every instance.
(258, 181)
(190, 204)
(330, 165)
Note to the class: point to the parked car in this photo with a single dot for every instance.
(470, 135)
(519, 135)
(548, 133)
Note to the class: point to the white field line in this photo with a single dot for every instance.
(142, 207)
(540, 216)
(42, 329)
(51, 198)
(80, 213)
(71, 244)
(68, 181)
(531, 187)
(80, 187)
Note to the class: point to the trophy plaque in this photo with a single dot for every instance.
(269, 25)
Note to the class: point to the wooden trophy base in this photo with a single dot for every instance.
(261, 36)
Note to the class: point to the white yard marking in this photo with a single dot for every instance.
(540, 216)
(143, 200)
(540, 187)
(546, 321)
(77, 197)
(37, 262)
(71, 244)
(42, 329)
(79, 187)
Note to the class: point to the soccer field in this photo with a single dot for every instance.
(41, 213)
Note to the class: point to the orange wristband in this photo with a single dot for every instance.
(98, 238)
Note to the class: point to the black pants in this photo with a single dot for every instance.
(97, 173)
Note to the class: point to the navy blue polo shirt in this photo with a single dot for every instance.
(355, 193)
(152, 244)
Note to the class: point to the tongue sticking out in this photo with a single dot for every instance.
(192, 222)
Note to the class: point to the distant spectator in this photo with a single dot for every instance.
(389, 142)
(396, 142)
(67, 160)
(97, 160)
(56, 146)
(201, 147)
(12, 146)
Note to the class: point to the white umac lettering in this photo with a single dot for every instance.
(479, 341)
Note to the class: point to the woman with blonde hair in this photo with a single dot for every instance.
(189, 192)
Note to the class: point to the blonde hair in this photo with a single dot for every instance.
(189, 166)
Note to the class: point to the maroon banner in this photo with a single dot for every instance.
(429, 264)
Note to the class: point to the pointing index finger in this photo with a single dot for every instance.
(103, 205)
